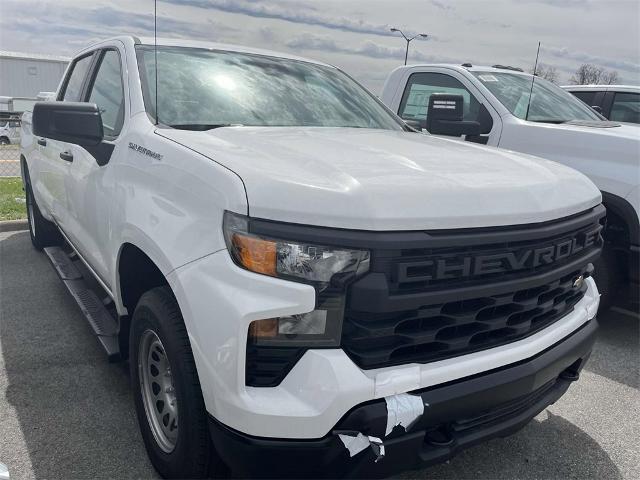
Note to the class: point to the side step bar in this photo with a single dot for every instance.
(102, 323)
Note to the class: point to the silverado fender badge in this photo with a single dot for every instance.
(145, 151)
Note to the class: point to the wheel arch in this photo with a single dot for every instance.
(136, 273)
(622, 209)
(24, 170)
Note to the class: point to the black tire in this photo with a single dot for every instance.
(192, 455)
(608, 276)
(43, 232)
(4, 141)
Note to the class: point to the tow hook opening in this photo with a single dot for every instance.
(572, 373)
(440, 437)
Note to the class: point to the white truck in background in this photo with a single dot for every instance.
(302, 284)
(493, 108)
(619, 103)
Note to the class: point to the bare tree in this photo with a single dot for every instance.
(610, 78)
(589, 74)
(548, 72)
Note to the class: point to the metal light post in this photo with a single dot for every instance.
(406, 53)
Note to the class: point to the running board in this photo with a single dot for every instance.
(102, 323)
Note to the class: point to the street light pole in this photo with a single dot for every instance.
(408, 40)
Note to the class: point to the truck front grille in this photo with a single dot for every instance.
(405, 311)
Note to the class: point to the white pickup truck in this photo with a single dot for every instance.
(495, 110)
(302, 284)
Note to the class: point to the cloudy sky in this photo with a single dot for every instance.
(353, 34)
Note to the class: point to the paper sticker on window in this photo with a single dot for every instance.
(487, 78)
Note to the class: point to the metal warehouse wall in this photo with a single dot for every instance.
(26, 77)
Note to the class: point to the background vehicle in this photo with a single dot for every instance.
(301, 283)
(620, 103)
(496, 111)
(9, 132)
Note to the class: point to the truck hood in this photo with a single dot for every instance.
(610, 156)
(388, 180)
(604, 128)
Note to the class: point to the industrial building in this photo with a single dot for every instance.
(24, 75)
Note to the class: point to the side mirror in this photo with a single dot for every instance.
(71, 122)
(444, 116)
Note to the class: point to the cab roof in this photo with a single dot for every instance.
(598, 88)
(179, 42)
(469, 67)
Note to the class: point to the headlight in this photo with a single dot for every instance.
(314, 264)
(327, 268)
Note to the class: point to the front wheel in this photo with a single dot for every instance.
(168, 399)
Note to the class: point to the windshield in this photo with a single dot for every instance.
(201, 89)
(549, 102)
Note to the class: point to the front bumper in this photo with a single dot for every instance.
(458, 415)
(219, 300)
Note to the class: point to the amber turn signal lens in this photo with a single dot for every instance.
(267, 328)
(256, 254)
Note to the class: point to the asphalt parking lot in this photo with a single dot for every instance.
(67, 413)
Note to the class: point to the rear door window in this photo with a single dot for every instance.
(626, 107)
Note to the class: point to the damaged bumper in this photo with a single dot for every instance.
(456, 415)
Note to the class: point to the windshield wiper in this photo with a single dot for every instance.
(550, 120)
(201, 127)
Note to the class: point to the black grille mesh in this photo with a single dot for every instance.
(435, 332)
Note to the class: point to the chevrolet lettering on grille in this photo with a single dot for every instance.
(452, 267)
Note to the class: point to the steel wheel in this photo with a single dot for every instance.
(158, 393)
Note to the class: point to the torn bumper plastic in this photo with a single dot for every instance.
(456, 415)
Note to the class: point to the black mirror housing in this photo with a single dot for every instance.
(444, 116)
(72, 122)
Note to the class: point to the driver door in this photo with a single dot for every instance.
(421, 85)
(90, 179)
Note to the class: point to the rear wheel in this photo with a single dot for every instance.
(168, 399)
(43, 232)
(4, 141)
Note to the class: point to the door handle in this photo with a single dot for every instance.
(42, 141)
(66, 156)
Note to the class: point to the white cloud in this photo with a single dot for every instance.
(286, 11)
(583, 57)
(371, 49)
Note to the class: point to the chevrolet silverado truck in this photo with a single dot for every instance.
(495, 110)
(302, 284)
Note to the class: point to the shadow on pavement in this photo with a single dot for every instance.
(550, 447)
(74, 409)
(617, 350)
